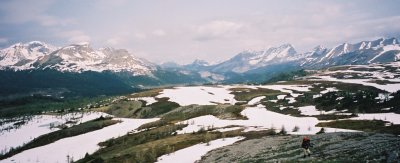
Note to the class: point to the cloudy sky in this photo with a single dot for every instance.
(184, 30)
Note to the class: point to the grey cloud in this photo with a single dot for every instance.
(211, 30)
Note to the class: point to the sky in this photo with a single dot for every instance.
(184, 30)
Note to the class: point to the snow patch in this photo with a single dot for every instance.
(390, 117)
(258, 117)
(40, 125)
(194, 153)
(255, 100)
(77, 146)
(200, 95)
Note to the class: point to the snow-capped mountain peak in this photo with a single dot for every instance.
(364, 52)
(22, 56)
(249, 59)
(75, 58)
(200, 62)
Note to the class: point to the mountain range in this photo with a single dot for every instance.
(72, 58)
(41, 63)
(365, 52)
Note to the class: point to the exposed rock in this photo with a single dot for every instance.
(337, 147)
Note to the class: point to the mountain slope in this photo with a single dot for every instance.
(21, 56)
(72, 58)
(248, 60)
(365, 52)
(82, 57)
(133, 72)
(80, 70)
(256, 66)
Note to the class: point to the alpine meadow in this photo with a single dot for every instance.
(227, 81)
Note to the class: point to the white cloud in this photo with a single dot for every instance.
(110, 5)
(46, 20)
(159, 32)
(74, 36)
(139, 35)
(3, 40)
(114, 41)
(210, 30)
(217, 29)
(18, 12)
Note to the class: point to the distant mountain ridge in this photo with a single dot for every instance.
(22, 56)
(82, 57)
(72, 58)
(365, 52)
(102, 69)
(248, 60)
(256, 66)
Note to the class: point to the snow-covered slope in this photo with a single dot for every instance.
(365, 52)
(248, 60)
(21, 56)
(82, 57)
(72, 58)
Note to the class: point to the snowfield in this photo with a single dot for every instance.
(255, 100)
(39, 125)
(311, 110)
(194, 153)
(365, 77)
(331, 89)
(289, 88)
(387, 87)
(258, 118)
(77, 146)
(198, 95)
(390, 117)
(149, 100)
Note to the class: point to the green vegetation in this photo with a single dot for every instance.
(82, 128)
(357, 102)
(383, 82)
(287, 76)
(148, 145)
(354, 98)
(147, 93)
(287, 110)
(364, 125)
(37, 104)
(246, 94)
(122, 108)
(136, 109)
(333, 116)
(192, 111)
(351, 75)
(85, 84)
(160, 107)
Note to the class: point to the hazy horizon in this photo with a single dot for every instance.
(161, 31)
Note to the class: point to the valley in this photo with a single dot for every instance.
(180, 81)
(353, 102)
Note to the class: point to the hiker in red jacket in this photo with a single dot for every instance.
(306, 146)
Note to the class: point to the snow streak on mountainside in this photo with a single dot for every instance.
(21, 56)
(248, 60)
(82, 57)
(72, 58)
(365, 52)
